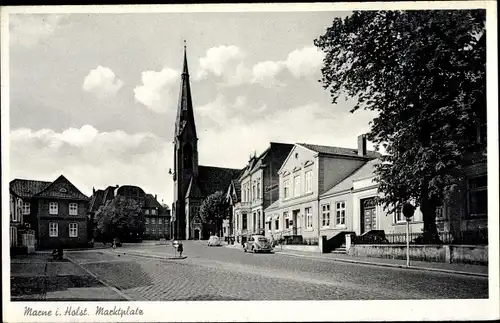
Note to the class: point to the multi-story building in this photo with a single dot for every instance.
(308, 172)
(256, 189)
(156, 219)
(56, 211)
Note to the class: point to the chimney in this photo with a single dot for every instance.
(156, 197)
(362, 145)
(93, 190)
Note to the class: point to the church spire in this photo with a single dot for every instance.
(185, 114)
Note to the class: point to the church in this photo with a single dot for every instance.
(192, 182)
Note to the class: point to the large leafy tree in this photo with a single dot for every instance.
(213, 210)
(424, 73)
(119, 218)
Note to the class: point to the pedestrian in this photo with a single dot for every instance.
(180, 248)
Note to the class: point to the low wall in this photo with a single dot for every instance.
(434, 253)
(298, 247)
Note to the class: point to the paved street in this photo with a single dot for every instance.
(221, 273)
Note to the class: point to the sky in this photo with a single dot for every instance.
(94, 96)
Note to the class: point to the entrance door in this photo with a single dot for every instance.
(368, 215)
(295, 214)
(196, 234)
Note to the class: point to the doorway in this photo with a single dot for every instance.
(196, 234)
(368, 215)
(295, 214)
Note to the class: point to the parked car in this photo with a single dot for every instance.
(214, 241)
(257, 243)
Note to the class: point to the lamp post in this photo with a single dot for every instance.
(408, 211)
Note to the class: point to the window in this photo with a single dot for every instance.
(73, 209)
(258, 219)
(258, 189)
(277, 224)
(153, 230)
(153, 212)
(477, 196)
(53, 208)
(286, 189)
(224, 230)
(287, 220)
(26, 208)
(296, 186)
(309, 217)
(440, 215)
(73, 230)
(153, 221)
(160, 221)
(270, 224)
(325, 214)
(244, 222)
(147, 220)
(254, 220)
(399, 217)
(146, 212)
(340, 213)
(53, 229)
(309, 181)
(147, 229)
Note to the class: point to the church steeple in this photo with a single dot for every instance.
(185, 114)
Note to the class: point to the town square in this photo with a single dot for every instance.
(329, 155)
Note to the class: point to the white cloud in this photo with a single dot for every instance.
(102, 81)
(28, 29)
(219, 61)
(90, 158)
(265, 72)
(155, 92)
(304, 62)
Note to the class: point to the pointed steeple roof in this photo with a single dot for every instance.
(185, 114)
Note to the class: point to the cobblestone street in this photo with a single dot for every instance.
(218, 273)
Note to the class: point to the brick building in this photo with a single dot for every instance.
(56, 211)
(156, 219)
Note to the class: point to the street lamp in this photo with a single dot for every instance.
(408, 211)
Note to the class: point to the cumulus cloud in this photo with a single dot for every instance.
(28, 29)
(155, 92)
(102, 81)
(219, 61)
(89, 157)
(305, 61)
(227, 63)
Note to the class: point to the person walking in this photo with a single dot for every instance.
(180, 248)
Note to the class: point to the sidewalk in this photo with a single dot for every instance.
(464, 269)
(38, 277)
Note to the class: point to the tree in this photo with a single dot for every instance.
(424, 72)
(119, 219)
(213, 210)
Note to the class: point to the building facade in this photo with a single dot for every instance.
(56, 211)
(255, 190)
(309, 172)
(156, 219)
(192, 182)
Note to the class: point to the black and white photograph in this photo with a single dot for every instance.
(244, 162)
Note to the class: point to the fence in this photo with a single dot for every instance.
(479, 237)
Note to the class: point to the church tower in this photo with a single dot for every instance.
(185, 151)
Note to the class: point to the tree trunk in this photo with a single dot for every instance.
(428, 209)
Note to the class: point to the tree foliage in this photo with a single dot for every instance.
(119, 218)
(213, 209)
(424, 72)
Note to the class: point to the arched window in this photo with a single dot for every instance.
(187, 155)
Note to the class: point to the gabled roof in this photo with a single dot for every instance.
(237, 189)
(26, 188)
(212, 179)
(96, 200)
(273, 206)
(365, 171)
(278, 149)
(62, 188)
(339, 151)
(150, 202)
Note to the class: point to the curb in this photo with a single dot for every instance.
(153, 256)
(116, 290)
(448, 271)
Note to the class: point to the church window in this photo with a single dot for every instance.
(188, 156)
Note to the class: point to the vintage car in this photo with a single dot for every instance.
(214, 241)
(257, 243)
